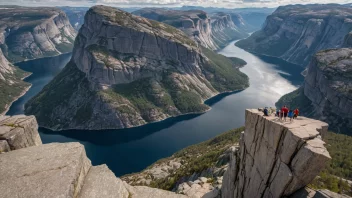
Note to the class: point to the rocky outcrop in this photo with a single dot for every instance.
(326, 92)
(275, 159)
(213, 32)
(18, 132)
(127, 71)
(29, 33)
(63, 170)
(310, 193)
(296, 32)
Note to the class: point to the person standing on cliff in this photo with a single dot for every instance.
(284, 111)
(296, 113)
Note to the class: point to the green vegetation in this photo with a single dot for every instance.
(238, 62)
(147, 95)
(224, 76)
(296, 99)
(9, 92)
(58, 93)
(276, 47)
(199, 157)
(340, 149)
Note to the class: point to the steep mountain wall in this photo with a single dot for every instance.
(212, 31)
(348, 40)
(128, 71)
(326, 92)
(29, 33)
(224, 29)
(11, 84)
(296, 32)
(275, 159)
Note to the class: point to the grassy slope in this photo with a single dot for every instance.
(226, 76)
(146, 94)
(8, 93)
(340, 149)
(58, 92)
(296, 99)
(198, 157)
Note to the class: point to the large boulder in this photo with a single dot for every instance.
(18, 132)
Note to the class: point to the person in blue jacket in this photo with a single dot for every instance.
(290, 115)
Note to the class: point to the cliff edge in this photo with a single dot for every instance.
(275, 159)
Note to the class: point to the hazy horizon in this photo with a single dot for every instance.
(169, 3)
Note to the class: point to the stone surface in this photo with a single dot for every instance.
(50, 170)
(275, 158)
(296, 32)
(18, 132)
(310, 193)
(328, 85)
(147, 192)
(101, 182)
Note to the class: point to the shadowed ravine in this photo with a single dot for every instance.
(131, 150)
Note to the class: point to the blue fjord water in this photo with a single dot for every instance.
(131, 150)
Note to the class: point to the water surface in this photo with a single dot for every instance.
(131, 150)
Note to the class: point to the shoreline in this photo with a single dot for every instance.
(18, 97)
(155, 122)
(24, 78)
(269, 56)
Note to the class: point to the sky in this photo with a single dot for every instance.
(167, 3)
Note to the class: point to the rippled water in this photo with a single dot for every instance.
(131, 150)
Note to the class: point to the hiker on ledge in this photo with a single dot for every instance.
(284, 111)
(296, 113)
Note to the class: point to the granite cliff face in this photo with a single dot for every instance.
(326, 92)
(275, 159)
(29, 33)
(128, 71)
(212, 31)
(296, 32)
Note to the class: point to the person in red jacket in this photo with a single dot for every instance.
(296, 113)
(284, 110)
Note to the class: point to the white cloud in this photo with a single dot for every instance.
(143, 3)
